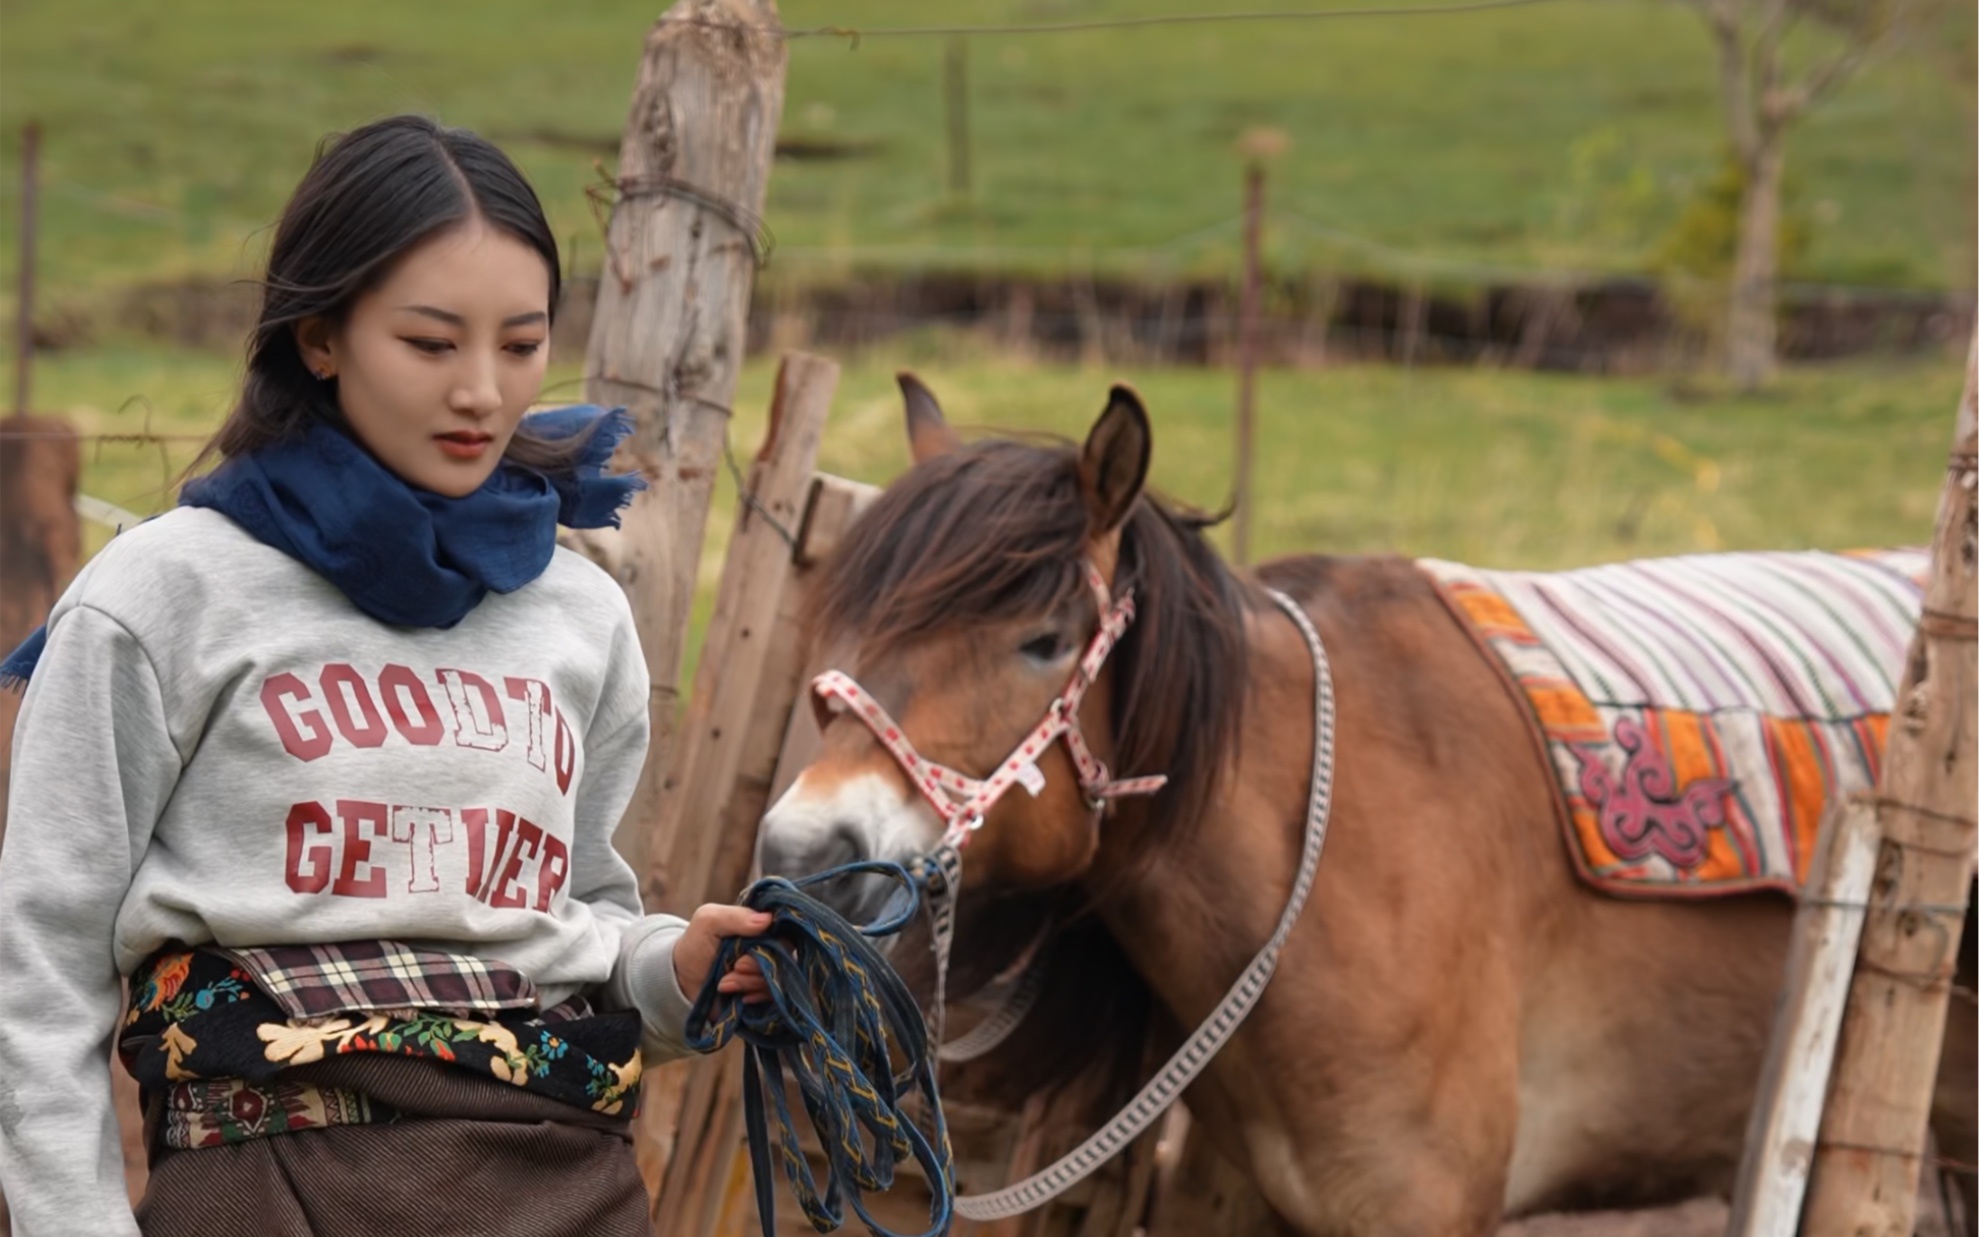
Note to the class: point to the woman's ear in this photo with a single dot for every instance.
(315, 339)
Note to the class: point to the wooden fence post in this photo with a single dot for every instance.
(667, 339)
(1247, 347)
(730, 716)
(714, 1199)
(1872, 1136)
(40, 542)
(1786, 1114)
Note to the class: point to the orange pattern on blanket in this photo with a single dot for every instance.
(1693, 755)
(1685, 741)
(1493, 614)
(1804, 788)
(1564, 711)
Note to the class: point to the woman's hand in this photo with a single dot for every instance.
(694, 952)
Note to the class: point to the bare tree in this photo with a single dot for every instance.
(1762, 100)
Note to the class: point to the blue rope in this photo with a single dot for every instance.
(836, 1008)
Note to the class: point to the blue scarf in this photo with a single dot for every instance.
(402, 555)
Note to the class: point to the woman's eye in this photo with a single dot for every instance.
(431, 347)
(1044, 648)
(528, 347)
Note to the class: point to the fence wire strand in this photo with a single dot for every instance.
(853, 35)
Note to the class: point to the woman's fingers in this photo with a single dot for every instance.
(751, 988)
(746, 978)
(694, 953)
(719, 920)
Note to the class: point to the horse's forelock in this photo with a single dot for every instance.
(985, 534)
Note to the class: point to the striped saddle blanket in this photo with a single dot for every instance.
(1699, 713)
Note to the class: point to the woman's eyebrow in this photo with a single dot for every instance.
(529, 319)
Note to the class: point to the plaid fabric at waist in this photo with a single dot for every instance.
(315, 981)
(209, 1033)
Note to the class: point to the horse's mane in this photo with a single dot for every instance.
(998, 529)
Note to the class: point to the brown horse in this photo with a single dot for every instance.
(1459, 1030)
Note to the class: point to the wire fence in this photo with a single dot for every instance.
(1335, 294)
(854, 34)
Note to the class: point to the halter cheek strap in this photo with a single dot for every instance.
(963, 802)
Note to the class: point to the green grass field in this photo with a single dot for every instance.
(1567, 134)
(1499, 469)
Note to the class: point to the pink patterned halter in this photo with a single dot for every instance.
(963, 802)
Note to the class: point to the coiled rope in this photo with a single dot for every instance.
(836, 1012)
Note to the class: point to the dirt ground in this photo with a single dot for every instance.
(1700, 1217)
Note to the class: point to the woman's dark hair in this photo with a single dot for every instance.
(371, 195)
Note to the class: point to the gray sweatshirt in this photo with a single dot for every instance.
(218, 747)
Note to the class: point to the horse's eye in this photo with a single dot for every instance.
(1047, 647)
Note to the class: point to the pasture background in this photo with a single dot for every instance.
(1567, 134)
(1563, 136)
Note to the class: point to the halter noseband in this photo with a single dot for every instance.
(964, 802)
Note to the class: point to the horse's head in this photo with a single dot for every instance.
(959, 609)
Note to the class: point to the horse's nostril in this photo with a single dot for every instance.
(801, 856)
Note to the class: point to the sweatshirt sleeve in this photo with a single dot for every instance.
(644, 980)
(93, 766)
(642, 975)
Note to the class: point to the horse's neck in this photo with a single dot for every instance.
(1192, 914)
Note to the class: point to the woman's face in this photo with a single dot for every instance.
(436, 363)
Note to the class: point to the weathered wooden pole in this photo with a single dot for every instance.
(24, 294)
(1786, 1114)
(40, 465)
(705, 1187)
(955, 94)
(667, 340)
(1247, 328)
(1872, 1138)
(744, 689)
(40, 542)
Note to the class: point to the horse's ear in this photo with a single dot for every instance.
(928, 434)
(1113, 465)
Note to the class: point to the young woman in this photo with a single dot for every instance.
(326, 763)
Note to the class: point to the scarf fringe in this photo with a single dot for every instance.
(589, 497)
(19, 665)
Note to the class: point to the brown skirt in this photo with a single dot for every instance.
(469, 1156)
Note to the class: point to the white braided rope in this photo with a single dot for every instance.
(1189, 1060)
(1023, 993)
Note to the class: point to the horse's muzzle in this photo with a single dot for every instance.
(860, 897)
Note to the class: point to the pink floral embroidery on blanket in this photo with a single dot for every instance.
(1647, 813)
